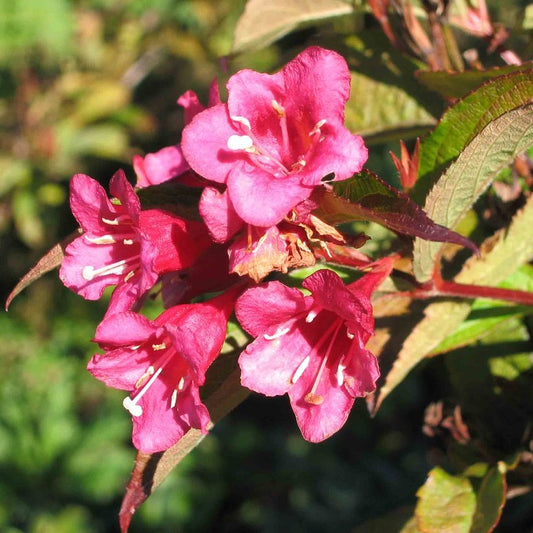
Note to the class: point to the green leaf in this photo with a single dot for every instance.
(458, 84)
(489, 314)
(382, 112)
(368, 197)
(445, 503)
(462, 122)
(507, 251)
(264, 22)
(386, 101)
(490, 501)
(456, 191)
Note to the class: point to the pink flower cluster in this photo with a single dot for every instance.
(259, 161)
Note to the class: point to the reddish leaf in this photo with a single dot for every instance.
(49, 261)
(368, 197)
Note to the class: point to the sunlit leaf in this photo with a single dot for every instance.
(504, 254)
(264, 22)
(460, 186)
(368, 197)
(457, 84)
(381, 111)
(487, 314)
(463, 121)
(445, 503)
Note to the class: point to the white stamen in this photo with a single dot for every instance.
(89, 272)
(311, 315)
(103, 239)
(173, 399)
(317, 127)
(278, 108)
(132, 407)
(243, 120)
(351, 336)
(340, 374)
(300, 370)
(129, 275)
(240, 142)
(277, 334)
(111, 221)
(128, 241)
(157, 347)
(181, 384)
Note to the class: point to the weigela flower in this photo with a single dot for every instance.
(169, 163)
(256, 251)
(278, 136)
(122, 245)
(163, 364)
(311, 347)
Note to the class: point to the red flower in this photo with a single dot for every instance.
(122, 245)
(163, 364)
(311, 347)
(278, 136)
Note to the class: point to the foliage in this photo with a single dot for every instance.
(453, 328)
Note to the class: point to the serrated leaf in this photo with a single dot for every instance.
(264, 22)
(457, 84)
(463, 121)
(445, 503)
(505, 253)
(49, 261)
(473, 171)
(490, 501)
(367, 197)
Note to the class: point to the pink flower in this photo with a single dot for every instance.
(278, 136)
(163, 364)
(122, 245)
(169, 163)
(111, 250)
(311, 347)
(256, 251)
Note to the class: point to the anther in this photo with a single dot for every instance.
(278, 108)
(130, 405)
(174, 398)
(242, 120)
(240, 142)
(311, 315)
(300, 370)
(277, 334)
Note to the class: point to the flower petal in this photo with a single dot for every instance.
(269, 365)
(160, 166)
(219, 215)
(263, 308)
(205, 144)
(259, 198)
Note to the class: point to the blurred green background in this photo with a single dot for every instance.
(84, 85)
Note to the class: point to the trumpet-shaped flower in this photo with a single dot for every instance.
(311, 347)
(278, 136)
(122, 245)
(163, 364)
